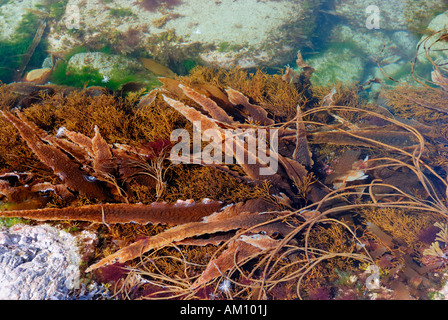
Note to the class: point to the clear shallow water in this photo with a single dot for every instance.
(343, 40)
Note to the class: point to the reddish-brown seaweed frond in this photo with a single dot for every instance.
(257, 113)
(232, 217)
(111, 213)
(58, 161)
(238, 250)
(209, 105)
(250, 163)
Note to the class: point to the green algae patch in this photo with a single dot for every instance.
(102, 69)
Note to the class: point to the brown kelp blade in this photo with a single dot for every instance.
(256, 112)
(302, 152)
(254, 167)
(67, 146)
(103, 159)
(154, 213)
(226, 220)
(238, 250)
(80, 139)
(58, 161)
(207, 104)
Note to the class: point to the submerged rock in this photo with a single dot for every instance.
(337, 64)
(246, 33)
(393, 14)
(437, 49)
(12, 15)
(37, 262)
(109, 66)
(108, 70)
(38, 76)
(392, 42)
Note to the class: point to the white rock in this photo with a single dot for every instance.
(37, 262)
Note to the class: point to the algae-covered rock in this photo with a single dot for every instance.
(109, 66)
(337, 64)
(392, 50)
(375, 32)
(98, 68)
(436, 49)
(393, 14)
(355, 12)
(37, 262)
(18, 28)
(12, 15)
(376, 43)
(246, 33)
(398, 25)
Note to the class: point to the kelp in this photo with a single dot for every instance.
(59, 162)
(230, 218)
(251, 166)
(209, 105)
(255, 112)
(355, 137)
(237, 251)
(276, 96)
(304, 253)
(113, 213)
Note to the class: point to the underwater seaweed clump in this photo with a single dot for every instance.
(404, 226)
(313, 229)
(422, 104)
(205, 182)
(270, 91)
(70, 112)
